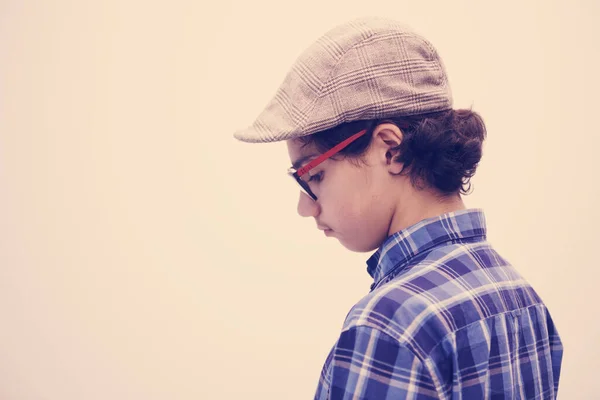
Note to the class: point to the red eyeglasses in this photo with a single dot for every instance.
(299, 174)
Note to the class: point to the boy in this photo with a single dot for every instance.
(382, 159)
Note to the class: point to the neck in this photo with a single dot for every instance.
(421, 205)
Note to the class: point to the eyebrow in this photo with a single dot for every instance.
(298, 163)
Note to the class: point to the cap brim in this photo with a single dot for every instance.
(250, 135)
(253, 134)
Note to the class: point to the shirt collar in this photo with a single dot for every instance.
(399, 248)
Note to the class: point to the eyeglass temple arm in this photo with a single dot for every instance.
(329, 153)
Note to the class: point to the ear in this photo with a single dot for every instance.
(386, 137)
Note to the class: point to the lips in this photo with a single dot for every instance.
(325, 229)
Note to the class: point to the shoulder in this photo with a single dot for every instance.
(367, 363)
(398, 311)
(453, 286)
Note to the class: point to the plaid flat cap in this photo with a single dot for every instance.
(368, 68)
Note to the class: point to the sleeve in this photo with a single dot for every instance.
(369, 364)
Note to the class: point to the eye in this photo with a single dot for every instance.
(318, 177)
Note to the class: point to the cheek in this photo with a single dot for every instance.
(353, 204)
(349, 197)
(367, 209)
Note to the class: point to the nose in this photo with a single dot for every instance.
(307, 207)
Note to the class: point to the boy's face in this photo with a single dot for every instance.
(355, 203)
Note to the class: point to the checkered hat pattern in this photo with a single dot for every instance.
(368, 68)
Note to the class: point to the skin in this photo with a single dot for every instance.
(361, 205)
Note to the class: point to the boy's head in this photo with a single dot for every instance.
(399, 170)
(366, 112)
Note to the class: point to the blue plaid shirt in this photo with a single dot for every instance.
(446, 318)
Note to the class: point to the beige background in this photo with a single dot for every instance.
(145, 254)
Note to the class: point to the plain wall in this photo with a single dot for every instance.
(146, 254)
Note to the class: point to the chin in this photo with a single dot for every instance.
(358, 247)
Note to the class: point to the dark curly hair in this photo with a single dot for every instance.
(439, 150)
